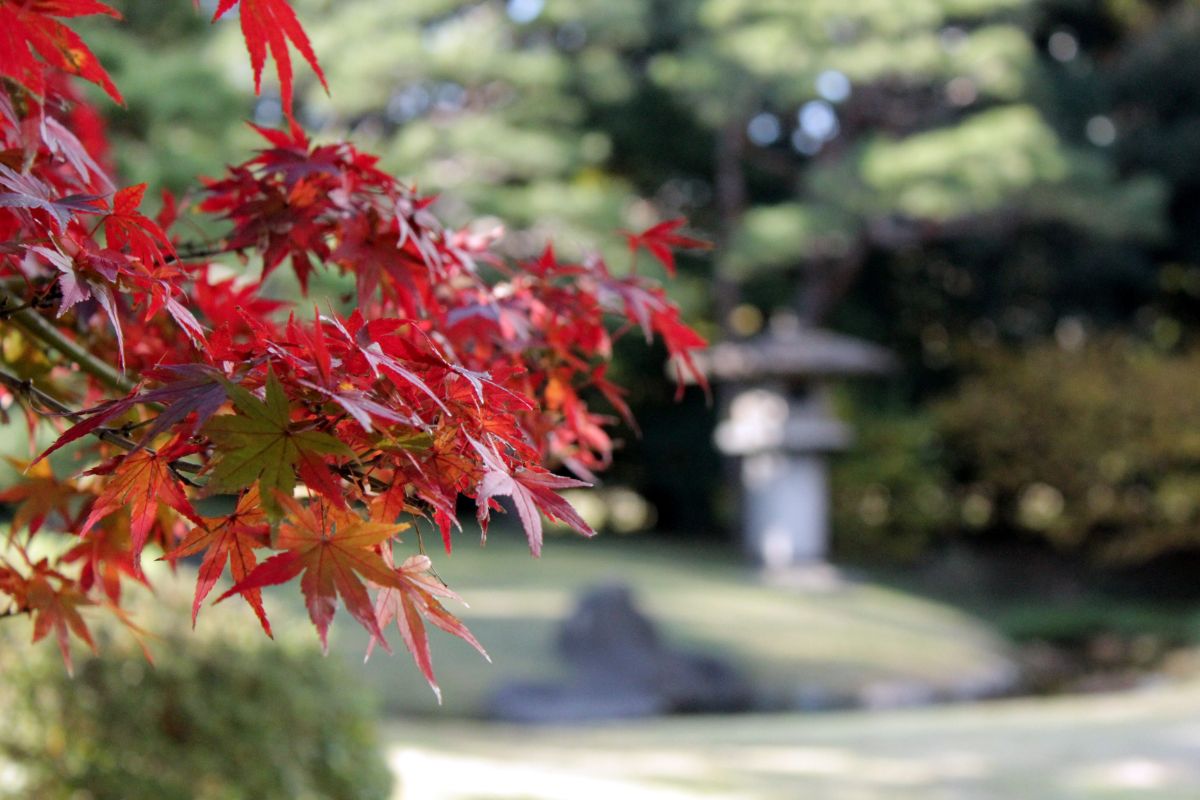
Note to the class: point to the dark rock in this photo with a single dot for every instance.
(809, 697)
(622, 668)
(606, 633)
(999, 680)
(891, 694)
(575, 701)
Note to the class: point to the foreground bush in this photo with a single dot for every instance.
(220, 714)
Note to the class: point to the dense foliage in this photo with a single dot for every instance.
(1090, 451)
(892, 498)
(457, 373)
(1095, 450)
(995, 173)
(203, 722)
(924, 148)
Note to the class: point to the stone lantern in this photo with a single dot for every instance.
(779, 424)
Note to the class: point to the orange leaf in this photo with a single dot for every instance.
(233, 539)
(139, 482)
(335, 550)
(415, 598)
(58, 611)
(40, 494)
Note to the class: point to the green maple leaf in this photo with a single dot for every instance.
(259, 444)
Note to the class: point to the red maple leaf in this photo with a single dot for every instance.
(32, 194)
(126, 227)
(104, 557)
(96, 417)
(40, 494)
(661, 240)
(532, 490)
(89, 275)
(192, 392)
(28, 28)
(65, 143)
(269, 25)
(57, 610)
(377, 344)
(648, 306)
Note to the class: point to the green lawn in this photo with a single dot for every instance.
(1136, 745)
(1133, 745)
(1143, 745)
(789, 641)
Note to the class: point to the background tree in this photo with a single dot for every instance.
(904, 173)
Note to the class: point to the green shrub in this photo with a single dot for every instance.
(890, 498)
(223, 713)
(1096, 451)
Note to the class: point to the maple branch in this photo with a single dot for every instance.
(25, 388)
(186, 252)
(13, 286)
(6, 311)
(34, 324)
(354, 475)
(15, 283)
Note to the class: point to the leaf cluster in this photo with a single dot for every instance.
(458, 373)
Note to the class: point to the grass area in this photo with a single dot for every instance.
(837, 641)
(1078, 619)
(1021, 613)
(1143, 745)
(1134, 745)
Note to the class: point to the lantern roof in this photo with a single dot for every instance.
(791, 352)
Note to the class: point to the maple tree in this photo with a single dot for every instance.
(458, 373)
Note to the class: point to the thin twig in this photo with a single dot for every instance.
(349, 473)
(15, 283)
(189, 252)
(111, 435)
(34, 324)
(5, 311)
